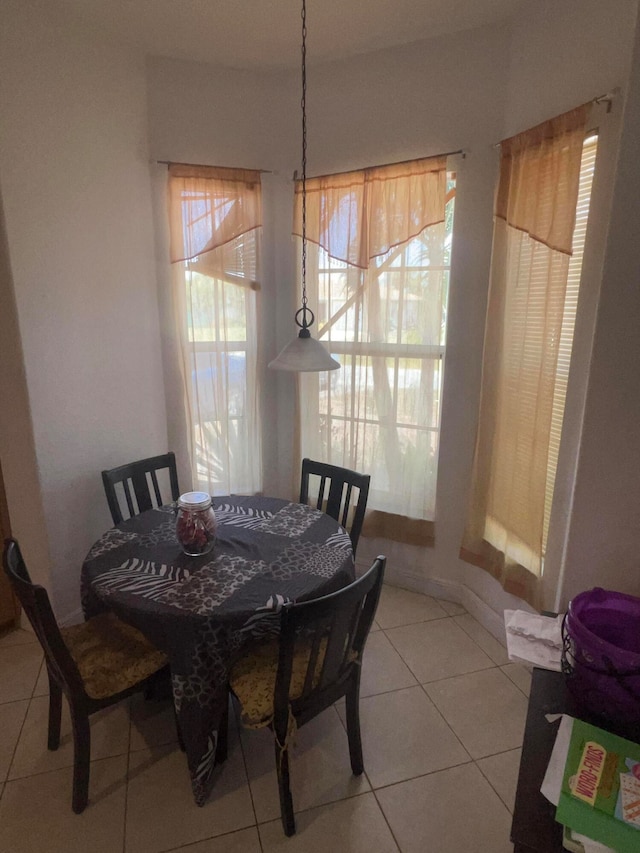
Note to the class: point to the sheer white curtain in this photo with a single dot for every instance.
(378, 275)
(215, 226)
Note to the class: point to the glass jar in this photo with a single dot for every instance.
(195, 523)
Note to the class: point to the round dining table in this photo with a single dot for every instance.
(203, 611)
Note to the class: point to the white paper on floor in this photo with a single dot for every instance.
(534, 639)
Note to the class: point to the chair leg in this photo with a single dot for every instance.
(223, 734)
(55, 713)
(353, 728)
(286, 800)
(81, 760)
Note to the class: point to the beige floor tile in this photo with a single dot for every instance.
(485, 709)
(374, 627)
(451, 607)
(319, 765)
(109, 737)
(382, 667)
(161, 811)
(152, 723)
(502, 772)
(402, 607)
(12, 716)
(17, 638)
(356, 825)
(403, 736)
(454, 811)
(36, 815)
(520, 676)
(19, 668)
(438, 649)
(487, 642)
(245, 841)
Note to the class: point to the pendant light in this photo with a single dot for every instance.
(304, 354)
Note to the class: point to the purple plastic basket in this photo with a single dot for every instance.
(601, 656)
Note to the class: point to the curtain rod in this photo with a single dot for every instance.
(608, 99)
(462, 151)
(206, 166)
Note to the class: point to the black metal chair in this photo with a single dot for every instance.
(136, 475)
(95, 664)
(337, 503)
(284, 683)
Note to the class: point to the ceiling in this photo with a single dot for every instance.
(266, 33)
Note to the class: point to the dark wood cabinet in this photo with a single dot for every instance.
(534, 827)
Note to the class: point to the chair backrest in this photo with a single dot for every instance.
(338, 501)
(139, 475)
(333, 630)
(35, 603)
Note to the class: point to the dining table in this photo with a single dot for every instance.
(203, 611)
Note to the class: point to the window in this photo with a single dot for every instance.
(587, 170)
(531, 304)
(386, 324)
(216, 242)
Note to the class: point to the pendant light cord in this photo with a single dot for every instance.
(305, 312)
(304, 354)
(303, 104)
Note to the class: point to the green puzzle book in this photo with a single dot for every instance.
(600, 795)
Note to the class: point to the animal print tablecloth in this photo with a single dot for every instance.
(202, 611)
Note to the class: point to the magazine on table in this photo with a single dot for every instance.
(600, 789)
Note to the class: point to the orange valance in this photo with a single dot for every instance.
(209, 207)
(539, 175)
(414, 192)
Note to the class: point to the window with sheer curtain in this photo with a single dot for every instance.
(378, 258)
(542, 207)
(215, 224)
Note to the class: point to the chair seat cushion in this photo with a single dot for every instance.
(111, 655)
(253, 679)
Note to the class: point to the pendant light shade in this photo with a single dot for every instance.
(304, 354)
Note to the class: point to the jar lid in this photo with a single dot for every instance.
(194, 500)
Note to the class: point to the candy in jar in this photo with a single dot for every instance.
(196, 523)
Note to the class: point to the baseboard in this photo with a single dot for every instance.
(419, 583)
(485, 615)
(73, 618)
(450, 591)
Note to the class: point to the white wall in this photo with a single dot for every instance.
(564, 54)
(74, 178)
(604, 542)
(200, 113)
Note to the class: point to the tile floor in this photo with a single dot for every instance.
(442, 714)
